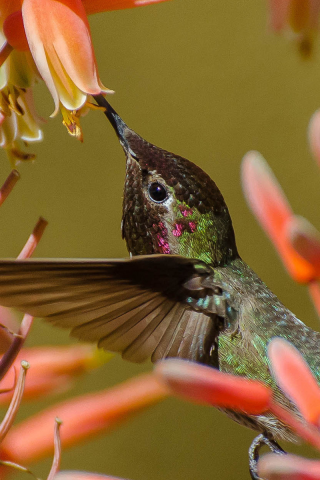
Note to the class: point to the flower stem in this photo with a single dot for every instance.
(15, 402)
(57, 450)
(33, 240)
(8, 185)
(12, 352)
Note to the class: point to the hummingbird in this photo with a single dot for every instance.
(184, 292)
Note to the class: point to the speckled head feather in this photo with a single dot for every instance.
(188, 216)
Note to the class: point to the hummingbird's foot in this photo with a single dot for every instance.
(254, 452)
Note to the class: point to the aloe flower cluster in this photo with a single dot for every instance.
(50, 41)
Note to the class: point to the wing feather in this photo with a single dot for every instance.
(138, 307)
(146, 342)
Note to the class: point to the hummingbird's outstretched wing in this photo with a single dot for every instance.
(148, 306)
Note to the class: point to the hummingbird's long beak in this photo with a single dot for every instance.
(121, 129)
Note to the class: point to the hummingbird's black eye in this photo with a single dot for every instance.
(157, 192)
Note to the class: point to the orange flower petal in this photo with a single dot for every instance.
(82, 418)
(59, 38)
(305, 239)
(14, 31)
(53, 369)
(288, 467)
(207, 385)
(37, 386)
(95, 6)
(295, 378)
(269, 204)
(74, 359)
(299, 15)
(278, 13)
(6, 8)
(314, 292)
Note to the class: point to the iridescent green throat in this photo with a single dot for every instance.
(204, 236)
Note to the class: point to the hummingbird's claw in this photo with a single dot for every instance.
(254, 452)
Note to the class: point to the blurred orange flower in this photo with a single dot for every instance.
(208, 385)
(297, 381)
(297, 241)
(299, 16)
(82, 418)
(286, 467)
(269, 204)
(295, 378)
(50, 40)
(54, 369)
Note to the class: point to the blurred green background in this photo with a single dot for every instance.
(208, 81)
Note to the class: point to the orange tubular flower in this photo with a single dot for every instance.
(295, 378)
(206, 385)
(53, 369)
(82, 417)
(269, 204)
(297, 241)
(58, 36)
(50, 39)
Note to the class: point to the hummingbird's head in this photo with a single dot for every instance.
(170, 205)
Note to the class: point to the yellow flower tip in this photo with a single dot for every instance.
(5, 104)
(93, 106)
(25, 365)
(71, 121)
(58, 421)
(98, 357)
(106, 90)
(14, 105)
(9, 97)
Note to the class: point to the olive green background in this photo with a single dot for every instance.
(207, 80)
